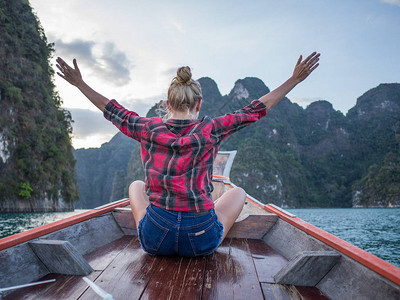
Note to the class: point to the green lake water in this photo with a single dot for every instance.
(376, 230)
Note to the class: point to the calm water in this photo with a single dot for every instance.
(374, 230)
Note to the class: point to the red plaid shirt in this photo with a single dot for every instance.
(178, 155)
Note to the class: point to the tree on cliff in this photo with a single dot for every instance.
(36, 160)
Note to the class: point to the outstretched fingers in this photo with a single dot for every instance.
(311, 60)
(299, 60)
(72, 75)
(313, 67)
(311, 56)
(61, 64)
(305, 67)
(75, 64)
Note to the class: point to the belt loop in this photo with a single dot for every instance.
(179, 216)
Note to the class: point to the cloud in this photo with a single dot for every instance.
(304, 101)
(179, 27)
(91, 128)
(103, 59)
(88, 123)
(171, 72)
(142, 106)
(115, 62)
(79, 49)
(393, 2)
(92, 141)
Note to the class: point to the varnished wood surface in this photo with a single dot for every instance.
(177, 278)
(102, 257)
(238, 269)
(252, 227)
(128, 274)
(266, 261)
(65, 287)
(230, 273)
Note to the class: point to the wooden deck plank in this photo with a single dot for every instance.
(218, 280)
(266, 260)
(311, 293)
(127, 275)
(177, 278)
(100, 258)
(65, 287)
(280, 292)
(290, 292)
(230, 273)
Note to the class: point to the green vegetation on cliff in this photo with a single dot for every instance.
(36, 160)
(101, 172)
(381, 185)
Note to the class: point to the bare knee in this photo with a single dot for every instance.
(240, 193)
(137, 185)
(138, 199)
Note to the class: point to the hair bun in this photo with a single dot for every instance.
(184, 75)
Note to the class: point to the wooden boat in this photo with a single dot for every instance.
(268, 254)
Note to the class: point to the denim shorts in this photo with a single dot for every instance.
(164, 232)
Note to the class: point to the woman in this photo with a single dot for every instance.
(173, 209)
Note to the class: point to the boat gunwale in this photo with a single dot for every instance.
(37, 232)
(365, 258)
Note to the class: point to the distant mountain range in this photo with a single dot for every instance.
(294, 157)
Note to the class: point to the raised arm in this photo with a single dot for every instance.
(301, 71)
(74, 77)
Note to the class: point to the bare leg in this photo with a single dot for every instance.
(139, 200)
(229, 206)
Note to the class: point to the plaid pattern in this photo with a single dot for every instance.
(178, 155)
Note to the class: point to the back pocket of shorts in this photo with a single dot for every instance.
(152, 234)
(205, 241)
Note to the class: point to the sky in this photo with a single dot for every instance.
(129, 50)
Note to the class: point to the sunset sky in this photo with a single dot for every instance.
(130, 50)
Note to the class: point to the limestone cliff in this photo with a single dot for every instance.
(36, 161)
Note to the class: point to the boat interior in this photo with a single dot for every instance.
(243, 267)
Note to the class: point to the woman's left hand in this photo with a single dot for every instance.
(305, 67)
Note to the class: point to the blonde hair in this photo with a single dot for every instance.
(184, 92)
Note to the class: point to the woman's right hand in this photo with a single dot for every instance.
(71, 75)
(301, 71)
(74, 77)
